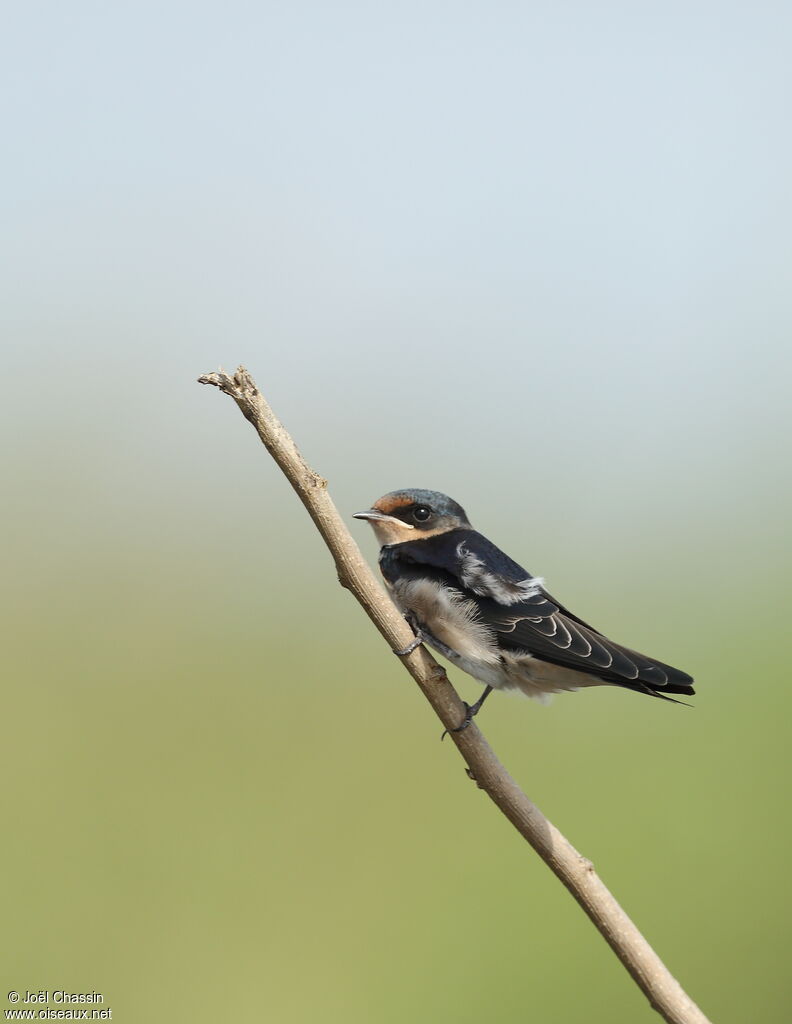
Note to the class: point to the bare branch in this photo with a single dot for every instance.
(576, 872)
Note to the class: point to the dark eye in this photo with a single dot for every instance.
(421, 514)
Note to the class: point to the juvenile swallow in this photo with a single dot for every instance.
(468, 600)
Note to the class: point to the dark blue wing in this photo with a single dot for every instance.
(521, 612)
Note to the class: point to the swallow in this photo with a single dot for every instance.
(486, 614)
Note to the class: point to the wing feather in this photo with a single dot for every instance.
(524, 617)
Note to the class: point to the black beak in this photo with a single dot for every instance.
(371, 513)
(377, 516)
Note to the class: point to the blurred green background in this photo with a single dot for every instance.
(535, 256)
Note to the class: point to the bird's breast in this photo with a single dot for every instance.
(449, 616)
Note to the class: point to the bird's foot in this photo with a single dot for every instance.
(470, 714)
(419, 639)
(412, 622)
(471, 710)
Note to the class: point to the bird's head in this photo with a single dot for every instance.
(412, 515)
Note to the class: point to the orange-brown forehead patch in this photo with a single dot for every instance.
(390, 503)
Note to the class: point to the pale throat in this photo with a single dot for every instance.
(389, 531)
(393, 531)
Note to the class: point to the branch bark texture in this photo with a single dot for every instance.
(577, 873)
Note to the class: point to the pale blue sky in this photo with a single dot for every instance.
(498, 249)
